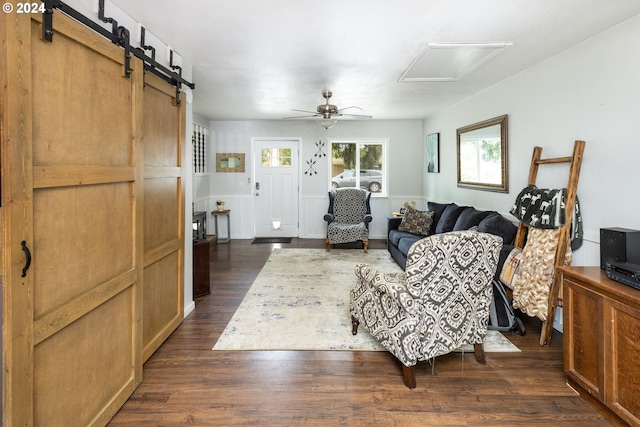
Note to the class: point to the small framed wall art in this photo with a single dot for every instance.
(229, 162)
(433, 153)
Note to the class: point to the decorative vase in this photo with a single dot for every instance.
(220, 207)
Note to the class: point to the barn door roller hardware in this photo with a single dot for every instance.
(145, 46)
(175, 67)
(120, 36)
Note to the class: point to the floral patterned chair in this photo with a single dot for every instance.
(440, 303)
(348, 217)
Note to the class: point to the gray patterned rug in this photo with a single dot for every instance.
(300, 301)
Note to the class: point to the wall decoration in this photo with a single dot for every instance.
(199, 146)
(319, 146)
(482, 155)
(229, 162)
(311, 171)
(433, 153)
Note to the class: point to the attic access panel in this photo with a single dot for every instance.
(450, 61)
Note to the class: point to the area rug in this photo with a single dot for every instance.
(300, 301)
(259, 240)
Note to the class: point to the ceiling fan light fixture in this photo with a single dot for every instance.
(327, 123)
(326, 113)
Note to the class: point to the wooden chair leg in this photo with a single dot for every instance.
(328, 245)
(479, 351)
(409, 376)
(366, 246)
(354, 325)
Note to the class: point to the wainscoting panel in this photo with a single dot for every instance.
(241, 216)
(312, 210)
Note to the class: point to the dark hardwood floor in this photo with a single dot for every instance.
(187, 384)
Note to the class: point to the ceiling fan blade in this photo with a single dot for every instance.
(305, 111)
(302, 117)
(353, 116)
(346, 108)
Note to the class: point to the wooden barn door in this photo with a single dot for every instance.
(72, 131)
(74, 183)
(164, 132)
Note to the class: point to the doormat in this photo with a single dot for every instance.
(258, 240)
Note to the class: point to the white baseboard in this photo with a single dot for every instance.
(557, 321)
(189, 308)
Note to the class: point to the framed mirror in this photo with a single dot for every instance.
(482, 155)
(229, 162)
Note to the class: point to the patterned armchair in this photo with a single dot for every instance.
(440, 303)
(348, 217)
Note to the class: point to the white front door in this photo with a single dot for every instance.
(275, 187)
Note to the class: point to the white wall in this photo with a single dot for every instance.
(405, 156)
(189, 303)
(590, 92)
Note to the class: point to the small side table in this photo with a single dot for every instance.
(227, 213)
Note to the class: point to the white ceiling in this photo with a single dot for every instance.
(258, 59)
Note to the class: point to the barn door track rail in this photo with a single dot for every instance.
(120, 36)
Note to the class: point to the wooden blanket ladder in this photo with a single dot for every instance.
(575, 161)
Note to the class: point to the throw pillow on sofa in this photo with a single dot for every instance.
(438, 209)
(500, 226)
(416, 222)
(470, 217)
(449, 218)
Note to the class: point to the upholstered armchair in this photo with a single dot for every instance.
(348, 217)
(440, 303)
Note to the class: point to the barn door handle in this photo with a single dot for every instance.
(27, 253)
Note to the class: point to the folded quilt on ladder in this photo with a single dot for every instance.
(532, 279)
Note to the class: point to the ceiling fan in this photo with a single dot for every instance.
(327, 113)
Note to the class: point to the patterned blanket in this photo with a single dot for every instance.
(544, 208)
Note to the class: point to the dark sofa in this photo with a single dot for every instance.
(451, 217)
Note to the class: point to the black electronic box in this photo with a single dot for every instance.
(625, 273)
(619, 245)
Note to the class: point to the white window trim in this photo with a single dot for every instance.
(385, 159)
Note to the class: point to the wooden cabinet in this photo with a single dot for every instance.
(201, 276)
(199, 225)
(201, 254)
(602, 342)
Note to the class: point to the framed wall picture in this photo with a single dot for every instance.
(433, 153)
(229, 162)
